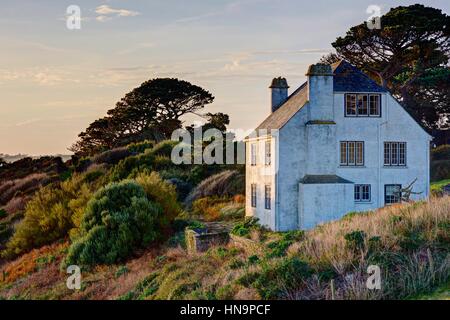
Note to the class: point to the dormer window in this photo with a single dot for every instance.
(362, 105)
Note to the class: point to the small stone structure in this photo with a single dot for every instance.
(201, 239)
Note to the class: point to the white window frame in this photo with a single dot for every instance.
(360, 191)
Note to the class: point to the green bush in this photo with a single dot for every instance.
(355, 240)
(164, 148)
(50, 215)
(243, 228)
(162, 193)
(3, 214)
(282, 275)
(119, 219)
(140, 147)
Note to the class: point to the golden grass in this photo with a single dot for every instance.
(326, 243)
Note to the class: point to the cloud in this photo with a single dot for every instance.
(27, 122)
(106, 13)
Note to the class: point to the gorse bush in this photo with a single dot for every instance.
(162, 193)
(50, 215)
(119, 219)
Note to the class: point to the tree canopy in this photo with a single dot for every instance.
(409, 55)
(150, 111)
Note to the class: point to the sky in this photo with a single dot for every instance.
(55, 81)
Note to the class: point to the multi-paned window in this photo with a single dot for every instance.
(253, 154)
(267, 196)
(395, 153)
(362, 192)
(392, 193)
(253, 194)
(362, 105)
(352, 153)
(268, 157)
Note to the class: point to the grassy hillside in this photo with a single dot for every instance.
(121, 216)
(409, 242)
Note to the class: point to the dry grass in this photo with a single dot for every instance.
(16, 204)
(27, 185)
(327, 244)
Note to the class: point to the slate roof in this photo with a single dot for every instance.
(322, 179)
(348, 78)
(291, 106)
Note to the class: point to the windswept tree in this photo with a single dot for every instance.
(151, 111)
(409, 55)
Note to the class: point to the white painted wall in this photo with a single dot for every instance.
(299, 149)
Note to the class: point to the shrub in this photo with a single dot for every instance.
(49, 215)
(226, 183)
(182, 187)
(243, 228)
(164, 148)
(132, 166)
(3, 213)
(16, 204)
(162, 193)
(112, 156)
(355, 239)
(26, 185)
(275, 278)
(140, 147)
(119, 219)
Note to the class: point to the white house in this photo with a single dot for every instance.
(337, 144)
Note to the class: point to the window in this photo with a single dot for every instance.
(374, 105)
(392, 193)
(253, 154)
(253, 195)
(267, 197)
(362, 105)
(350, 105)
(395, 153)
(362, 192)
(268, 154)
(352, 153)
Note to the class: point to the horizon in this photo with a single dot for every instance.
(231, 48)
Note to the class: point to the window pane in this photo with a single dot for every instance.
(253, 154)
(267, 196)
(392, 193)
(268, 153)
(360, 153)
(402, 154)
(366, 192)
(253, 195)
(374, 105)
(357, 192)
(394, 153)
(344, 153)
(362, 105)
(387, 153)
(351, 153)
(350, 108)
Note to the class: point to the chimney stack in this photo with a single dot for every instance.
(279, 90)
(320, 92)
